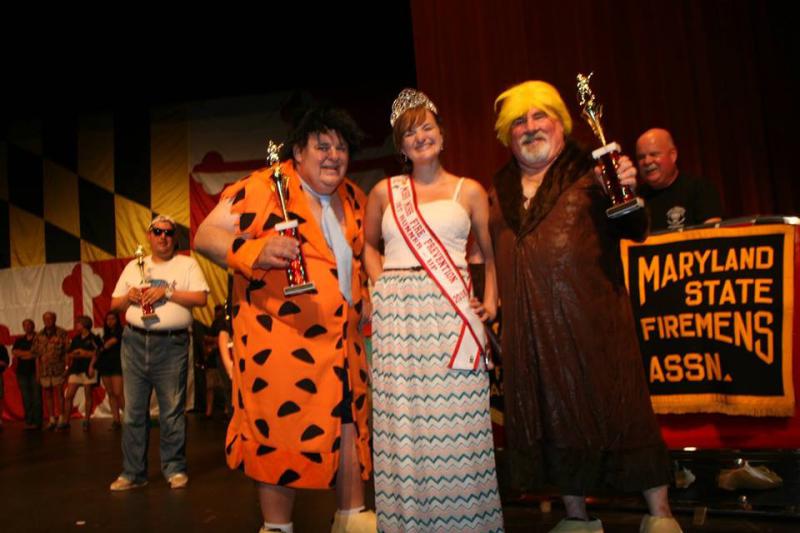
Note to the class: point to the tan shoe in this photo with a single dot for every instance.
(363, 522)
(659, 524)
(178, 481)
(578, 526)
(123, 483)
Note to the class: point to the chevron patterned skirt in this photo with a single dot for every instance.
(433, 450)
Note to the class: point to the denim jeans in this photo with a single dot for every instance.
(154, 362)
(31, 393)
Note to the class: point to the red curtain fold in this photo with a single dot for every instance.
(716, 73)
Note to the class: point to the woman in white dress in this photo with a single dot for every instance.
(433, 448)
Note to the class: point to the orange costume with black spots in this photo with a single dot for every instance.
(295, 356)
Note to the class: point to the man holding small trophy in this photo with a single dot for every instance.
(292, 233)
(156, 293)
(578, 412)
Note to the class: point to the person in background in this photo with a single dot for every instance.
(28, 375)
(216, 377)
(109, 366)
(674, 199)
(155, 353)
(50, 347)
(225, 342)
(81, 360)
(4, 361)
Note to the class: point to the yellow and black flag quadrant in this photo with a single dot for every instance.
(79, 189)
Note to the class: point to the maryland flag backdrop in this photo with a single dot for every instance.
(78, 192)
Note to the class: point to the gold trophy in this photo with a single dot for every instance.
(623, 199)
(296, 271)
(147, 309)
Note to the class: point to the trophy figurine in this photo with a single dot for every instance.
(147, 309)
(623, 199)
(296, 271)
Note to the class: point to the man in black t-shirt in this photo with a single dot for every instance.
(81, 358)
(27, 375)
(674, 199)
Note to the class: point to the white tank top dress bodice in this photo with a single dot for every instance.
(446, 218)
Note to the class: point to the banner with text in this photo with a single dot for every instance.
(714, 312)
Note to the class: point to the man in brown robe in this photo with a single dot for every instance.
(577, 406)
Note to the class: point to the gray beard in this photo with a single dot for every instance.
(535, 155)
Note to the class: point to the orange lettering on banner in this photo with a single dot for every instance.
(727, 295)
(763, 323)
(765, 257)
(712, 285)
(723, 321)
(747, 258)
(671, 326)
(669, 273)
(713, 367)
(750, 330)
(743, 330)
(744, 283)
(657, 271)
(705, 324)
(715, 266)
(674, 368)
(763, 285)
(702, 258)
(721, 292)
(648, 272)
(694, 293)
(685, 320)
(687, 367)
(685, 265)
(648, 325)
(656, 374)
(694, 367)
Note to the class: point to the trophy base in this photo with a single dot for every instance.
(148, 316)
(624, 208)
(299, 289)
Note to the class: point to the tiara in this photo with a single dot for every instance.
(409, 99)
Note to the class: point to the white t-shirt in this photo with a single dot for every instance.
(181, 273)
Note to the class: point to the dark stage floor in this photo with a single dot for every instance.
(59, 482)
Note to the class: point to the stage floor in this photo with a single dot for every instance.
(59, 482)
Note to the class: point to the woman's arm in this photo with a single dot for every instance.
(112, 341)
(226, 351)
(478, 207)
(376, 204)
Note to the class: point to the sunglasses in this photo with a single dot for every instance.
(158, 231)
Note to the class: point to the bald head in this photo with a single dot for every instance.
(658, 133)
(657, 158)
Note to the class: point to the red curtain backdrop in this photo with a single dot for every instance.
(715, 73)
